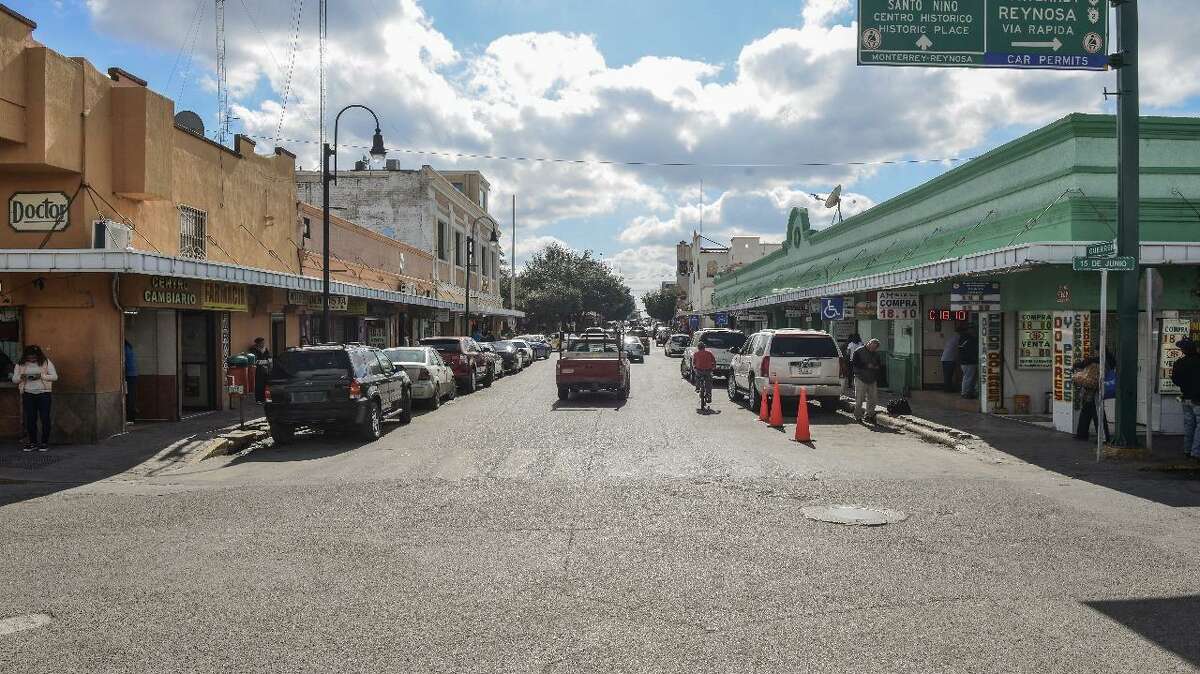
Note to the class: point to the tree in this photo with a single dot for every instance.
(661, 304)
(559, 286)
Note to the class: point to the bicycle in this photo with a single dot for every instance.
(703, 380)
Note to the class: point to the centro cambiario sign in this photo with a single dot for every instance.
(39, 211)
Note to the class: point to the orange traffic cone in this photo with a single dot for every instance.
(762, 409)
(802, 432)
(776, 408)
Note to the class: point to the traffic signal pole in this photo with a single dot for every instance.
(1128, 237)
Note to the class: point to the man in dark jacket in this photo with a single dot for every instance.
(968, 360)
(1186, 375)
(262, 368)
(867, 364)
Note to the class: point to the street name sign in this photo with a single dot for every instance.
(1025, 34)
(1102, 249)
(1123, 263)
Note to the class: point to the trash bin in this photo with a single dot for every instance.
(1021, 404)
(241, 374)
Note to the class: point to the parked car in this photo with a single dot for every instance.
(431, 378)
(677, 344)
(335, 386)
(525, 349)
(720, 341)
(495, 360)
(633, 348)
(471, 368)
(512, 358)
(808, 359)
(541, 348)
(592, 363)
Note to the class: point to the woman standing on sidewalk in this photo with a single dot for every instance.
(34, 377)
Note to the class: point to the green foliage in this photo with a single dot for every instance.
(559, 287)
(661, 304)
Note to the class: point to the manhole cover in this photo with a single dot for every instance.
(29, 460)
(853, 514)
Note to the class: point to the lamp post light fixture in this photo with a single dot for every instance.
(494, 237)
(378, 152)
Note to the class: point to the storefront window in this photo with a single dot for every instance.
(10, 340)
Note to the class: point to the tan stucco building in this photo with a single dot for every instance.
(125, 224)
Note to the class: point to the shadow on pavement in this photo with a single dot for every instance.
(1170, 622)
(1062, 453)
(588, 402)
(312, 445)
(150, 448)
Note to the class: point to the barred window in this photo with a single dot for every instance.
(193, 230)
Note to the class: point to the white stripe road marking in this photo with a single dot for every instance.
(24, 622)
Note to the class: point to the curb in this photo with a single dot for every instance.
(231, 441)
(923, 428)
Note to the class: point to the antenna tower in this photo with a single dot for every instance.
(222, 79)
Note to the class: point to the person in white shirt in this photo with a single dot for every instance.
(949, 360)
(34, 377)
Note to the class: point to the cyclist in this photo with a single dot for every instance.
(703, 362)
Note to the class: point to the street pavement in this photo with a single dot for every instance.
(511, 532)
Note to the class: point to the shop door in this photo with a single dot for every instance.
(197, 337)
(934, 333)
(278, 334)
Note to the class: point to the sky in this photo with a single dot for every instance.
(702, 82)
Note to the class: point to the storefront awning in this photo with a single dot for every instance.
(137, 262)
(1153, 253)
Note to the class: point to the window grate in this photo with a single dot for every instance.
(193, 226)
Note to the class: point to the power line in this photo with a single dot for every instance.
(615, 162)
(287, 87)
(193, 25)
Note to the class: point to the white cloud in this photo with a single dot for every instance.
(644, 268)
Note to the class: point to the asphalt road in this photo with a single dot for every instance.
(510, 532)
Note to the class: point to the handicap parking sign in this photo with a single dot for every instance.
(832, 308)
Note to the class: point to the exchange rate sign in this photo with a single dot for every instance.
(1053, 34)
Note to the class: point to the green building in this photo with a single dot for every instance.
(1007, 223)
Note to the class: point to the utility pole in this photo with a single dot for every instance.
(1128, 236)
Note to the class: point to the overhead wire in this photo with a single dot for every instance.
(193, 25)
(287, 87)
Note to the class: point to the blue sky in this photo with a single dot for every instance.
(710, 82)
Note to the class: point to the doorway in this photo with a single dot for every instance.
(278, 334)
(197, 338)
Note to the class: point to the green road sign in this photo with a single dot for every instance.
(1046, 34)
(1123, 263)
(1103, 249)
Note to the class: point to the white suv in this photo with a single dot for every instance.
(808, 359)
(721, 342)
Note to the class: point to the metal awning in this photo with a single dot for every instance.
(137, 262)
(1153, 254)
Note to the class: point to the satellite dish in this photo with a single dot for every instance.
(190, 121)
(834, 198)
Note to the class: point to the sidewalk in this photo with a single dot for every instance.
(1164, 475)
(146, 450)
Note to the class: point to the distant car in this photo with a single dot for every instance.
(594, 331)
(512, 358)
(471, 367)
(720, 341)
(496, 360)
(643, 337)
(541, 348)
(525, 349)
(335, 386)
(677, 344)
(432, 380)
(808, 359)
(592, 363)
(633, 348)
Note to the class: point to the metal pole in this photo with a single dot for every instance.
(1128, 236)
(325, 152)
(512, 282)
(467, 306)
(1101, 424)
(1150, 361)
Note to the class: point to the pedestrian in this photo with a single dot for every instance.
(1087, 381)
(968, 360)
(867, 364)
(131, 377)
(262, 368)
(34, 377)
(1186, 375)
(853, 343)
(949, 360)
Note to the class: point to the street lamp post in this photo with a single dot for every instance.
(378, 152)
(494, 238)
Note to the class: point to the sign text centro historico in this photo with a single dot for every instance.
(1049, 34)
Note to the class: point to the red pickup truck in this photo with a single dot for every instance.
(593, 362)
(470, 364)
